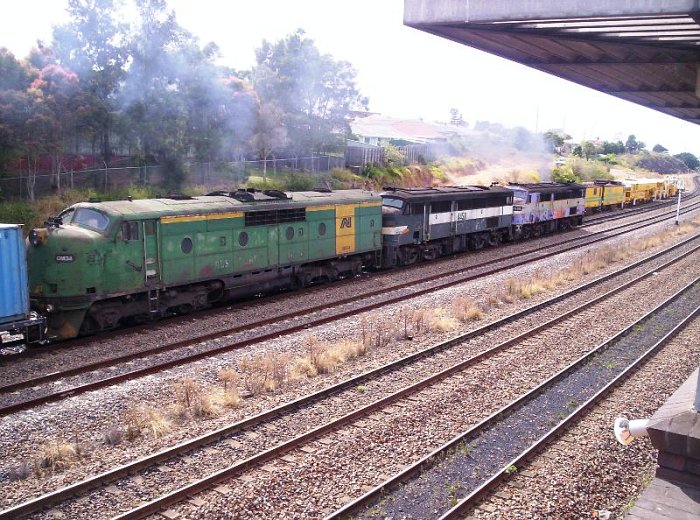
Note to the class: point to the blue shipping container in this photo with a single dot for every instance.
(14, 294)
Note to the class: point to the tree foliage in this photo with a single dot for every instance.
(315, 92)
(632, 145)
(690, 160)
(152, 88)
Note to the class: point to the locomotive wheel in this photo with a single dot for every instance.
(477, 242)
(409, 256)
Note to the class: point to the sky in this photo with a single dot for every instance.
(404, 72)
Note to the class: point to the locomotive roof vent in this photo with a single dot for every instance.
(178, 196)
(277, 194)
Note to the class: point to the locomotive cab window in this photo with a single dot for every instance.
(129, 231)
(392, 203)
(150, 227)
(441, 207)
(413, 209)
(67, 216)
(91, 219)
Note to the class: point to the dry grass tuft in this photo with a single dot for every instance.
(265, 372)
(376, 333)
(325, 359)
(303, 367)
(229, 397)
(57, 455)
(229, 376)
(442, 323)
(145, 420)
(465, 309)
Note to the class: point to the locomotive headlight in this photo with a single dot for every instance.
(49, 308)
(38, 236)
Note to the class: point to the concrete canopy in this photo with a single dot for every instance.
(643, 51)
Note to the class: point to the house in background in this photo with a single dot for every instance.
(416, 139)
(378, 130)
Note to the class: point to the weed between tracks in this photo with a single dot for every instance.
(269, 372)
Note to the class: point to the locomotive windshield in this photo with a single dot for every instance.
(392, 203)
(67, 215)
(89, 218)
(520, 194)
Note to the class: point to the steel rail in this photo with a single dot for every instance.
(160, 366)
(424, 464)
(188, 446)
(555, 432)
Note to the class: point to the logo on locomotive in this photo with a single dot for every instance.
(346, 222)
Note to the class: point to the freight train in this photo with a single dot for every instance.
(604, 194)
(99, 265)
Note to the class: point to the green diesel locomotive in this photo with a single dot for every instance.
(99, 264)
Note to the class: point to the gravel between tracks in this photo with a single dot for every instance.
(587, 470)
(91, 414)
(487, 452)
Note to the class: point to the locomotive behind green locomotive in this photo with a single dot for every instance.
(101, 264)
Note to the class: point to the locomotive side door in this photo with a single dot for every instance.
(151, 251)
(123, 260)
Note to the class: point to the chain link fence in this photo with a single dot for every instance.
(209, 175)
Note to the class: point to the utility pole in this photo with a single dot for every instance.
(680, 186)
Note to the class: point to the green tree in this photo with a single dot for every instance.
(156, 94)
(659, 149)
(15, 79)
(632, 145)
(316, 93)
(564, 173)
(94, 44)
(239, 112)
(610, 147)
(588, 149)
(14, 74)
(690, 160)
(555, 139)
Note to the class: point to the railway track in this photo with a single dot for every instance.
(223, 436)
(19, 351)
(482, 457)
(44, 388)
(8, 354)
